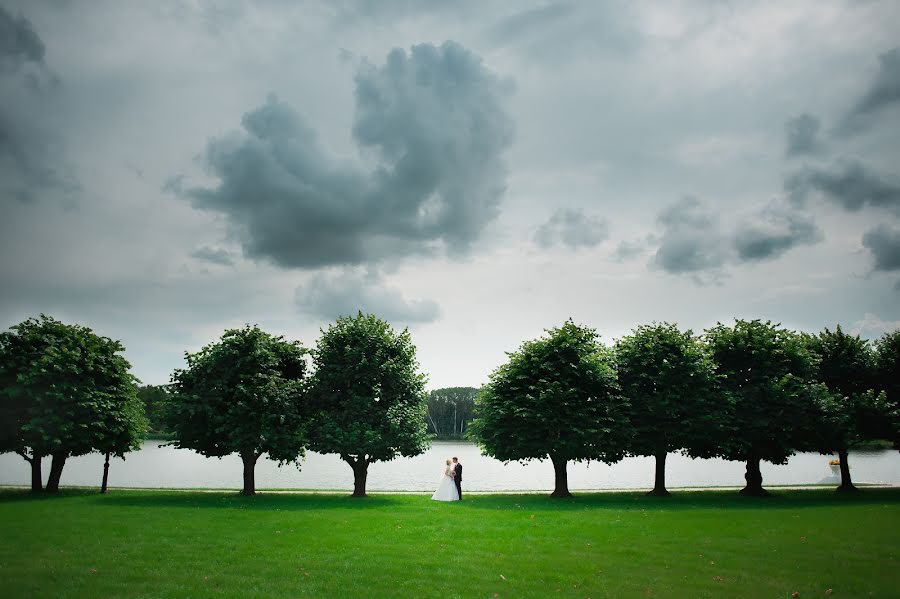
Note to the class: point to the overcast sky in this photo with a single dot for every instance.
(477, 171)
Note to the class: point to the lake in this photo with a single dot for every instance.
(157, 465)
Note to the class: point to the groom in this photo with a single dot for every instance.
(457, 476)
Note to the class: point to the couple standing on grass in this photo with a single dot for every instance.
(450, 488)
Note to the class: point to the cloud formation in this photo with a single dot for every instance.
(772, 232)
(19, 43)
(802, 136)
(346, 293)
(691, 240)
(32, 162)
(436, 122)
(884, 244)
(219, 256)
(849, 184)
(573, 229)
(883, 94)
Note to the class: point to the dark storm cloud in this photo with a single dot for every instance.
(19, 43)
(884, 244)
(435, 120)
(691, 240)
(883, 93)
(218, 256)
(774, 231)
(347, 293)
(31, 160)
(802, 136)
(849, 184)
(572, 228)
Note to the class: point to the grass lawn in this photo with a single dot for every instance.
(699, 544)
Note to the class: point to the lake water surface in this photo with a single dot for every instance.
(157, 465)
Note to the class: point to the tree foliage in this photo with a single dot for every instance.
(367, 396)
(887, 379)
(65, 391)
(556, 397)
(449, 411)
(669, 379)
(765, 371)
(155, 399)
(244, 395)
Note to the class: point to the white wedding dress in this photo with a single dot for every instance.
(446, 491)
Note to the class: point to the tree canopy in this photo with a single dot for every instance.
(65, 391)
(367, 396)
(556, 397)
(669, 379)
(244, 395)
(887, 379)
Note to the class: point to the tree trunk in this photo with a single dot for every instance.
(659, 483)
(105, 474)
(56, 468)
(561, 487)
(360, 472)
(37, 479)
(846, 482)
(753, 477)
(249, 458)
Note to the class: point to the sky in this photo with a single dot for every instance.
(475, 171)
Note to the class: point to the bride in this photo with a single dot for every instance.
(446, 491)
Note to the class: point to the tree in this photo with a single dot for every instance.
(155, 398)
(556, 397)
(243, 395)
(669, 379)
(65, 392)
(846, 368)
(887, 379)
(367, 397)
(450, 410)
(765, 371)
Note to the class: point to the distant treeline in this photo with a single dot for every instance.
(449, 411)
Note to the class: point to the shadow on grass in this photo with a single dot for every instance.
(687, 500)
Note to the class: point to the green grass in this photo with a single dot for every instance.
(703, 544)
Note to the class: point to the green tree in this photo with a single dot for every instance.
(367, 397)
(243, 395)
(887, 379)
(669, 379)
(846, 367)
(449, 411)
(155, 398)
(65, 392)
(765, 371)
(556, 397)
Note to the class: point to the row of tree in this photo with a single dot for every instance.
(447, 416)
(749, 392)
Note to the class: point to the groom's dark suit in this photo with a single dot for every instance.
(458, 479)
